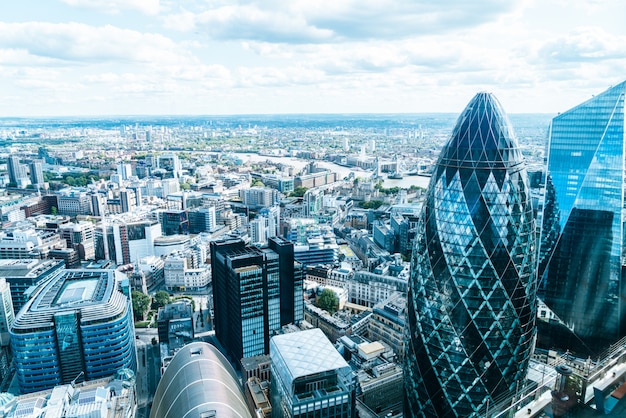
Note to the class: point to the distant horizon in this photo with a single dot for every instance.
(244, 57)
(198, 115)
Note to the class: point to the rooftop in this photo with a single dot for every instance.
(307, 352)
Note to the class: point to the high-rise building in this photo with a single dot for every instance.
(309, 377)
(291, 275)
(78, 326)
(16, 169)
(472, 291)
(199, 382)
(36, 172)
(249, 284)
(583, 283)
(202, 219)
(258, 230)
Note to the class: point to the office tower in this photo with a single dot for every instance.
(258, 197)
(202, 219)
(24, 274)
(120, 200)
(291, 274)
(171, 164)
(74, 203)
(583, 283)
(248, 286)
(16, 170)
(79, 326)
(472, 291)
(272, 220)
(309, 377)
(199, 382)
(124, 170)
(258, 230)
(126, 241)
(312, 202)
(174, 222)
(36, 172)
(6, 312)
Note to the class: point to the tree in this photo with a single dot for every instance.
(161, 298)
(372, 204)
(298, 191)
(328, 301)
(256, 183)
(141, 304)
(54, 210)
(184, 186)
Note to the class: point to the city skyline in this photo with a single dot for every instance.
(77, 57)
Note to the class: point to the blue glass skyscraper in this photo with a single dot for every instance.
(472, 291)
(583, 282)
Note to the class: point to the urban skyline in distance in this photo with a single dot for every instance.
(159, 57)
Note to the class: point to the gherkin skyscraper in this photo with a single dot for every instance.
(472, 291)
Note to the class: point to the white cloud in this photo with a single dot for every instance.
(149, 7)
(305, 21)
(590, 44)
(78, 42)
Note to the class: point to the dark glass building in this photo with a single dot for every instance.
(583, 282)
(472, 292)
(256, 290)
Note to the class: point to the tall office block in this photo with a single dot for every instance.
(16, 169)
(36, 172)
(258, 230)
(583, 283)
(309, 378)
(291, 275)
(249, 285)
(78, 326)
(472, 291)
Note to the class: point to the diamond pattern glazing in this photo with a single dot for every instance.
(472, 292)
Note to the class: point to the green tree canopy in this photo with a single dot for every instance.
(256, 183)
(161, 298)
(328, 301)
(372, 204)
(141, 304)
(298, 191)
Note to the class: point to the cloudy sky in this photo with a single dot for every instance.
(126, 57)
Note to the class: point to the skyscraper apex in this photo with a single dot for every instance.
(472, 291)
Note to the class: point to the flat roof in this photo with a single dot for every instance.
(77, 291)
(307, 352)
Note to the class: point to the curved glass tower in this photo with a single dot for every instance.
(472, 291)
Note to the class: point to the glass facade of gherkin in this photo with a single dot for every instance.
(472, 291)
(583, 283)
